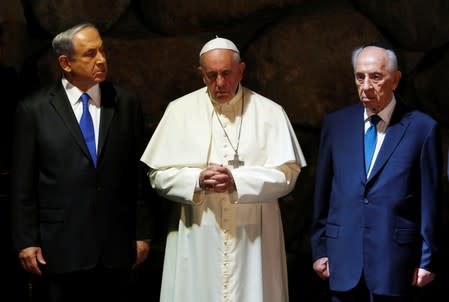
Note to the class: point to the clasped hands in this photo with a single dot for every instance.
(216, 178)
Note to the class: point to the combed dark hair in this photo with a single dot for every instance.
(62, 44)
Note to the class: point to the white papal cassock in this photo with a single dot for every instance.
(224, 247)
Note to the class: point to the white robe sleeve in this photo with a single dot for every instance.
(176, 184)
(254, 184)
(262, 184)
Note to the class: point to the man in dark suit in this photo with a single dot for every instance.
(79, 216)
(376, 223)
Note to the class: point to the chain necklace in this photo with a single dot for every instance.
(236, 162)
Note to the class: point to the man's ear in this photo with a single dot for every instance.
(64, 62)
(242, 67)
(199, 70)
(397, 76)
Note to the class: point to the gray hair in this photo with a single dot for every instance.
(392, 60)
(62, 44)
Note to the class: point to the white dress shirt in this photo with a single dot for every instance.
(74, 96)
(381, 127)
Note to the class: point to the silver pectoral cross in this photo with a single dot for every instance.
(236, 162)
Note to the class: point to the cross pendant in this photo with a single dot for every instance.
(236, 162)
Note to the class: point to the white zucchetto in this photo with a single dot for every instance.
(219, 43)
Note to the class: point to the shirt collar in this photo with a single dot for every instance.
(385, 114)
(74, 93)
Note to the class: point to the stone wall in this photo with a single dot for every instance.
(297, 53)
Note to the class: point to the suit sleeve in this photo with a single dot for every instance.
(24, 216)
(430, 164)
(143, 209)
(323, 183)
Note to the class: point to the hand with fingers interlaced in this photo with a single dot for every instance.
(216, 178)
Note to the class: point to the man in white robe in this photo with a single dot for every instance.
(224, 154)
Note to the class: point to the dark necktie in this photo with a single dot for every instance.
(370, 141)
(87, 128)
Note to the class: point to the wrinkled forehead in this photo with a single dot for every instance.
(371, 59)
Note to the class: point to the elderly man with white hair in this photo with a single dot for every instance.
(224, 154)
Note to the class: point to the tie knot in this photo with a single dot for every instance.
(374, 119)
(85, 98)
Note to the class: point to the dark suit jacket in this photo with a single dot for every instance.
(78, 214)
(8, 84)
(384, 226)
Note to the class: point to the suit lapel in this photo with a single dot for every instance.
(61, 104)
(108, 107)
(356, 132)
(395, 132)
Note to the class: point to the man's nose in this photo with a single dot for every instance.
(366, 84)
(101, 57)
(220, 80)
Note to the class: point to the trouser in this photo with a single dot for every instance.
(14, 286)
(361, 293)
(98, 284)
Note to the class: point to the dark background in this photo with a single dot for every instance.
(297, 53)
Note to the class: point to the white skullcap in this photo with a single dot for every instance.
(219, 43)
